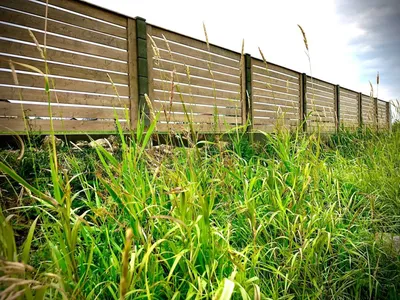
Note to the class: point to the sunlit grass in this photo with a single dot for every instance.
(290, 217)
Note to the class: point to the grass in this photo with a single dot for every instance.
(290, 217)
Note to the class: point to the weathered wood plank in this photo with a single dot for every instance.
(274, 121)
(261, 67)
(256, 74)
(194, 108)
(265, 87)
(16, 93)
(62, 70)
(11, 126)
(275, 114)
(209, 119)
(275, 108)
(275, 101)
(198, 63)
(315, 99)
(37, 22)
(319, 92)
(8, 109)
(320, 84)
(274, 95)
(62, 43)
(276, 82)
(194, 52)
(203, 128)
(159, 32)
(160, 85)
(30, 50)
(90, 10)
(193, 99)
(63, 84)
(166, 76)
(194, 71)
(66, 17)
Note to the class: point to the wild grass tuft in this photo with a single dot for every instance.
(287, 216)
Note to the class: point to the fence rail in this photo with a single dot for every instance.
(99, 66)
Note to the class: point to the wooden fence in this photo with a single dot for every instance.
(100, 66)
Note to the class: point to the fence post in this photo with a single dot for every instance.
(248, 91)
(376, 113)
(303, 100)
(142, 68)
(388, 116)
(132, 72)
(337, 107)
(360, 119)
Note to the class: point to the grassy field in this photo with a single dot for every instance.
(290, 216)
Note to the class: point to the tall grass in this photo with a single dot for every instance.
(292, 217)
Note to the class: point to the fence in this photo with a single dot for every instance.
(100, 65)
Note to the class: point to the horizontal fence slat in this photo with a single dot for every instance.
(196, 90)
(61, 42)
(194, 108)
(8, 109)
(320, 83)
(63, 84)
(275, 114)
(204, 128)
(25, 94)
(258, 94)
(63, 57)
(320, 109)
(159, 32)
(171, 47)
(320, 89)
(10, 126)
(173, 117)
(274, 122)
(322, 118)
(265, 127)
(188, 98)
(276, 82)
(197, 63)
(256, 75)
(259, 86)
(90, 10)
(62, 70)
(166, 76)
(67, 17)
(318, 92)
(270, 100)
(320, 102)
(271, 107)
(261, 67)
(56, 27)
(195, 71)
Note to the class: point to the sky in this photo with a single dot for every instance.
(349, 40)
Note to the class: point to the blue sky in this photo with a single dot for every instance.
(350, 41)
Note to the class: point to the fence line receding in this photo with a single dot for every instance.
(100, 65)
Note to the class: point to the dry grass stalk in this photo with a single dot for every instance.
(150, 105)
(125, 263)
(304, 37)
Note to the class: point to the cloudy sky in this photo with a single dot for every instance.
(349, 40)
